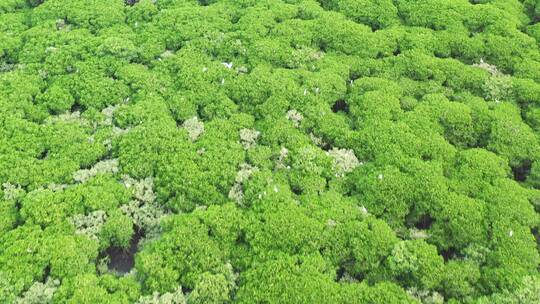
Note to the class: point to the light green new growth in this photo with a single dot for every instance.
(344, 161)
(12, 192)
(248, 137)
(295, 116)
(143, 209)
(194, 127)
(426, 297)
(39, 293)
(176, 297)
(102, 167)
(91, 224)
(236, 193)
(498, 86)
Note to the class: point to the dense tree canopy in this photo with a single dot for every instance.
(270, 151)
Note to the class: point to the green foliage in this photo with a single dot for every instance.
(459, 280)
(89, 288)
(289, 279)
(103, 14)
(117, 230)
(416, 263)
(527, 292)
(459, 223)
(274, 151)
(179, 256)
(377, 14)
(214, 288)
